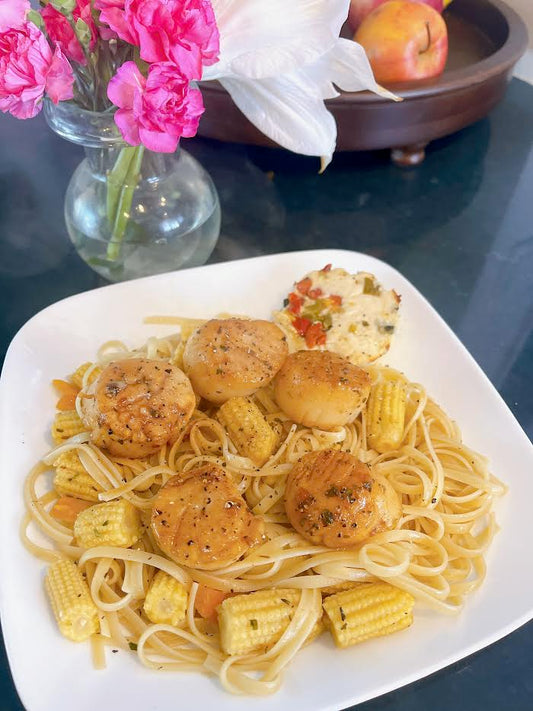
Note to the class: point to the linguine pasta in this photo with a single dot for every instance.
(436, 552)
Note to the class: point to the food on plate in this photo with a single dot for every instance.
(359, 9)
(166, 600)
(321, 389)
(70, 598)
(199, 519)
(233, 357)
(293, 507)
(370, 610)
(404, 41)
(137, 405)
(249, 622)
(334, 500)
(386, 410)
(114, 523)
(248, 429)
(349, 314)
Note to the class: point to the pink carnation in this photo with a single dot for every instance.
(180, 31)
(61, 33)
(28, 68)
(155, 111)
(13, 13)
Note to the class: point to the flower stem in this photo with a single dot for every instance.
(121, 184)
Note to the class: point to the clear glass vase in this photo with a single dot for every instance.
(131, 212)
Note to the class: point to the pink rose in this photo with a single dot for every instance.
(61, 33)
(155, 111)
(180, 31)
(28, 68)
(12, 13)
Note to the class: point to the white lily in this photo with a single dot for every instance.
(280, 59)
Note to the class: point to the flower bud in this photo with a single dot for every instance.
(35, 17)
(65, 7)
(83, 32)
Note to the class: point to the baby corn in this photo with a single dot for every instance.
(67, 423)
(258, 619)
(74, 610)
(114, 523)
(369, 610)
(166, 600)
(386, 414)
(72, 479)
(248, 429)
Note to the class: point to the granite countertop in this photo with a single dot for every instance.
(459, 227)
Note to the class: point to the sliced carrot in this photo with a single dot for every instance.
(67, 394)
(66, 509)
(207, 600)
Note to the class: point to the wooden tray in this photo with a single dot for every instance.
(486, 39)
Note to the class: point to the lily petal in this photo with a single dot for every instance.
(286, 112)
(350, 69)
(264, 38)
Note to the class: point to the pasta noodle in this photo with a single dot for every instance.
(436, 552)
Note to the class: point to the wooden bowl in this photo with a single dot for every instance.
(486, 39)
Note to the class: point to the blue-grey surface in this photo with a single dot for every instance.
(460, 227)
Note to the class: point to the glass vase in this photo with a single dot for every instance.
(131, 212)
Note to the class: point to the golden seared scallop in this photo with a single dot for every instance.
(137, 405)
(200, 519)
(233, 357)
(334, 500)
(321, 389)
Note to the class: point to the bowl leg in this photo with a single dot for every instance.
(413, 154)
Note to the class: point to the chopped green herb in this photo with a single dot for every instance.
(253, 624)
(327, 517)
(132, 646)
(343, 616)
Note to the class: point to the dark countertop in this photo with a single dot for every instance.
(459, 227)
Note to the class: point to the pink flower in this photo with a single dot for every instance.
(112, 13)
(28, 68)
(155, 111)
(180, 31)
(12, 13)
(61, 33)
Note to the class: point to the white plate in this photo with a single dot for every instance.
(53, 673)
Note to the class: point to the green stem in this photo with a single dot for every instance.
(122, 187)
(115, 181)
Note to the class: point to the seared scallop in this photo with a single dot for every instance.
(321, 389)
(200, 519)
(137, 405)
(230, 357)
(334, 500)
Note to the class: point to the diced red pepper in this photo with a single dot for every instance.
(336, 299)
(295, 303)
(326, 268)
(301, 325)
(314, 293)
(315, 335)
(304, 285)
